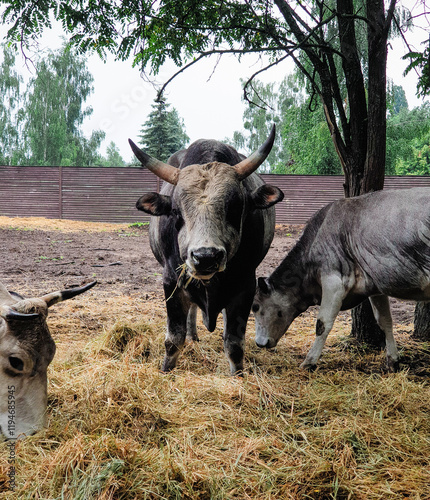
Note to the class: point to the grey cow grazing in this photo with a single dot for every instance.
(376, 245)
(214, 224)
(26, 350)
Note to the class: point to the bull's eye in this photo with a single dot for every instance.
(179, 220)
(279, 314)
(234, 209)
(16, 363)
(255, 308)
(179, 223)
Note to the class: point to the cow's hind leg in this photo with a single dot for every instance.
(333, 294)
(381, 310)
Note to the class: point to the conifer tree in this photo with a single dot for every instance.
(163, 133)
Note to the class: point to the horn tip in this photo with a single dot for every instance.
(132, 145)
(271, 138)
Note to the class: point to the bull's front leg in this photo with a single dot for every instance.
(333, 293)
(177, 306)
(235, 319)
(192, 323)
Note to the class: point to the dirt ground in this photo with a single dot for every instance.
(42, 255)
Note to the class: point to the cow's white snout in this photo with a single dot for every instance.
(263, 340)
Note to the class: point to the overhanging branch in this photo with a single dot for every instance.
(211, 53)
(252, 77)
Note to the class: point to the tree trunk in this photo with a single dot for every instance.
(422, 322)
(359, 135)
(367, 177)
(364, 327)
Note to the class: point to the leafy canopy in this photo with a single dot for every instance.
(150, 31)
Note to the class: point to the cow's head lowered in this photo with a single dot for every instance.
(275, 308)
(26, 349)
(209, 204)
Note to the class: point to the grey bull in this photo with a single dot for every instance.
(214, 222)
(26, 350)
(376, 245)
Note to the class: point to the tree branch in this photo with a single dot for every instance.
(252, 77)
(210, 53)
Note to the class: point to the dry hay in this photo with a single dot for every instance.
(30, 223)
(120, 429)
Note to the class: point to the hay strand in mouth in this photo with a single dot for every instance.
(183, 279)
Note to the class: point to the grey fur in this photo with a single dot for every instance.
(375, 246)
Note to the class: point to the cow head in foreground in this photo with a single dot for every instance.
(208, 205)
(26, 350)
(214, 224)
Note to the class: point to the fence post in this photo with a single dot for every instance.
(60, 192)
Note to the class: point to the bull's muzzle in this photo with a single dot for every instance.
(206, 261)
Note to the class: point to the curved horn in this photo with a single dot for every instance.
(55, 297)
(250, 164)
(7, 313)
(162, 170)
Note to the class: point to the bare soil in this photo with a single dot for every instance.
(42, 255)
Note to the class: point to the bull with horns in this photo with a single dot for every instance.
(213, 224)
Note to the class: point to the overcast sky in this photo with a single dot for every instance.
(208, 100)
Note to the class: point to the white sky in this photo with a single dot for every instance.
(209, 101)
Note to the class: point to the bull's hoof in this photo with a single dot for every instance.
(168, 365)
(393, 366)
(310, 367)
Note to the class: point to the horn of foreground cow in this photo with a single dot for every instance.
(250, 164)
(8, 314)
(55, 297)
(170, 174)
(162, 170)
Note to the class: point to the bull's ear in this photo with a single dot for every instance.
(266, 196)
(154, 204)
(264, 286)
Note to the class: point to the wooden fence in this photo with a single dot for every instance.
(102, 194)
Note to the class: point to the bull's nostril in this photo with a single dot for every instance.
(195, 258)
(220, 255)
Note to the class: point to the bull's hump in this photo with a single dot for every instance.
(206, 151)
